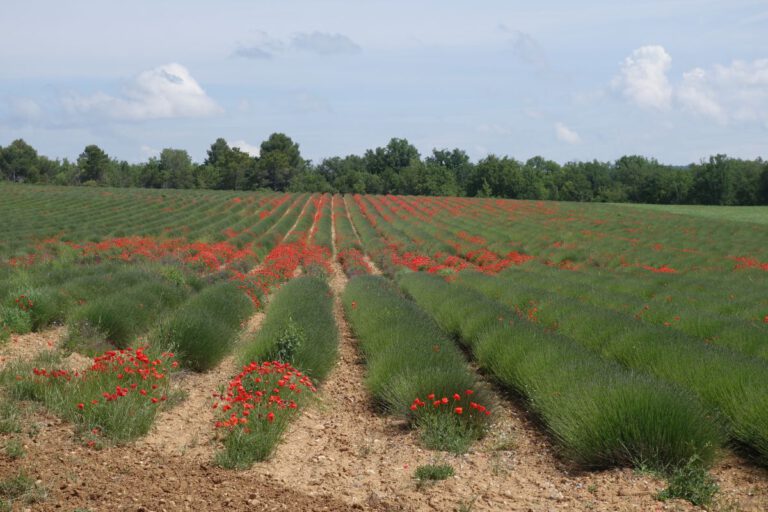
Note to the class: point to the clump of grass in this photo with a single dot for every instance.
(289, 342)
(9, 417)
(20, 488)
(448, 432)
(203, 330)
(14, 449)
(690, 482)
(433, 472)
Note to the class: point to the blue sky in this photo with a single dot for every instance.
(677, 79)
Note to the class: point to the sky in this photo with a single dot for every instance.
(676, 80)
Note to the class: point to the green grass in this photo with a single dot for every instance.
(692, 483)
(754, 214)
(433, 472)
(20, 488)
(119, 318)
(14, 449)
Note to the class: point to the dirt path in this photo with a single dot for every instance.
(133, 478)
(187, 429)
(24, 347)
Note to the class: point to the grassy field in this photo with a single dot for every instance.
(755, 214)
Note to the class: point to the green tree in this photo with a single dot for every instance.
(176, 169)
(309, 181)
(279, 161)
(712, 181)
(93, 163)
(19, 162)
(234, 168)
(457, 162)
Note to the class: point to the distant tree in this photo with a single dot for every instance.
(712, 181)
(93, 163)
(235, 168)
(19, 162)
(122, 174)
(218, 153)
(309, 181)
(279, 161)
(457, 161)
(206, 176)
(763, 185)
(497, 177)
(429, 179)
(176, 169)
(150, 175)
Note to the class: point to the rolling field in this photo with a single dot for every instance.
(330, 351)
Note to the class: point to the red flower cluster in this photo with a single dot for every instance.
(438, 402)
(260, 391)
(664, 269)
(280, 265)
(743, 262)
(137, 372)
(24, 303)
(353, 262)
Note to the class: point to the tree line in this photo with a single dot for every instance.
(398, 168)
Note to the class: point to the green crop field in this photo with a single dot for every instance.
(632, 336)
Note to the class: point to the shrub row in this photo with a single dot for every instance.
(733, 386)
(204, 329)
(599, 413)
(408, 357)
(118, 318)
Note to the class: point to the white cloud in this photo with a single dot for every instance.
(149, 151)
(565, 134)
(167, 91)
(245, 147)
(323, 43)
(643, 77)
(265, 46)
(734, 93)
(695, 94)
(738, 92)
(25, 110)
